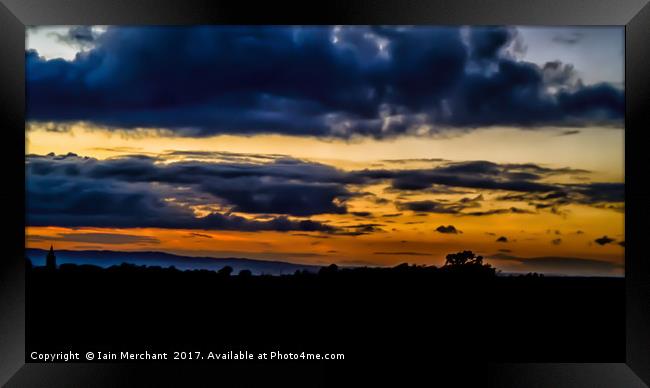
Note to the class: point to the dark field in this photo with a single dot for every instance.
(397, 315)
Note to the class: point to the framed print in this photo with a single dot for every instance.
(210, 192)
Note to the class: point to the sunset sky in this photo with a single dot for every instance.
(352, 145)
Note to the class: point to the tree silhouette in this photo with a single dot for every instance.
(463, 258)
(225, 271)
(466, 263)
(330, 269)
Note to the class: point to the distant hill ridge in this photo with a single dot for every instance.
(105, 259)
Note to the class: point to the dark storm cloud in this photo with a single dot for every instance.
(491, 212)
(359, 230)
(449, 229)
(502, 239)
(162, 191)
(471, 174)
(283, 186)
(597, 194)
(250, 195)
(442, 206)
(604, 240)
(430, 207)
(486, 42)
(457, 208)
(317, 81)
(600, 192)
(57, 196)
(526, 182)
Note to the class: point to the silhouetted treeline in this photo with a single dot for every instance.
(463, 264)
(460, 311)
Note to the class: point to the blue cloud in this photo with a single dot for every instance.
(316, 81)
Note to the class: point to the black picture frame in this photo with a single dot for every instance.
(16, 14)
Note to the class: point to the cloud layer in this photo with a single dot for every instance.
(250, 192)
(316, 81)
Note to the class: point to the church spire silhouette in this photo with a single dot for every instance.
(50, 261)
